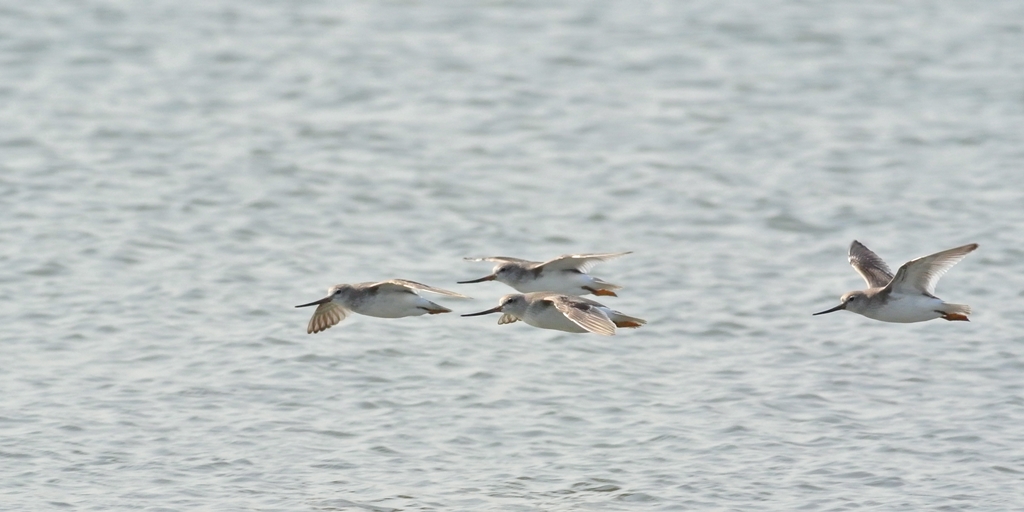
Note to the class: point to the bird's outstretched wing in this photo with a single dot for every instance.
(584, 314)
(580, 262)
(500, 259)
(871, 267)
(326, 316)
(920, 275)
(507, 319)
(406, 285)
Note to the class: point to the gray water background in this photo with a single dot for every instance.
(176, 176)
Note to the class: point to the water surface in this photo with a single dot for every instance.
(176, 176)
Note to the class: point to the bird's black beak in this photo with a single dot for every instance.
(489, 311)
(315, 302)
(491, 277)
(837, 308)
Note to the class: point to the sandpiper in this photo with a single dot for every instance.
(907, 297)
(561, 312)
(394, 298)
(565, 274)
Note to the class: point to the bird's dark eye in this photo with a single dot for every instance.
(850, 299)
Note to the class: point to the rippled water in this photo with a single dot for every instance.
(176, 176)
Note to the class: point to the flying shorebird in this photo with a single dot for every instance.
(564, 274)
(561, 312)
(907, 297)
(394, 298)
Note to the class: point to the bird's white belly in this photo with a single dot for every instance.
(392, 305)
(907, 309)
(570, 283)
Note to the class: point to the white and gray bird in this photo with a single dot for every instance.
(907, 297)
(565, 274)
(561, 312)
(394, 298)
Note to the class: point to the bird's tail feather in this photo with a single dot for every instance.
(954, 312)
(962, 309)
(606, 285)
(621, 320)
